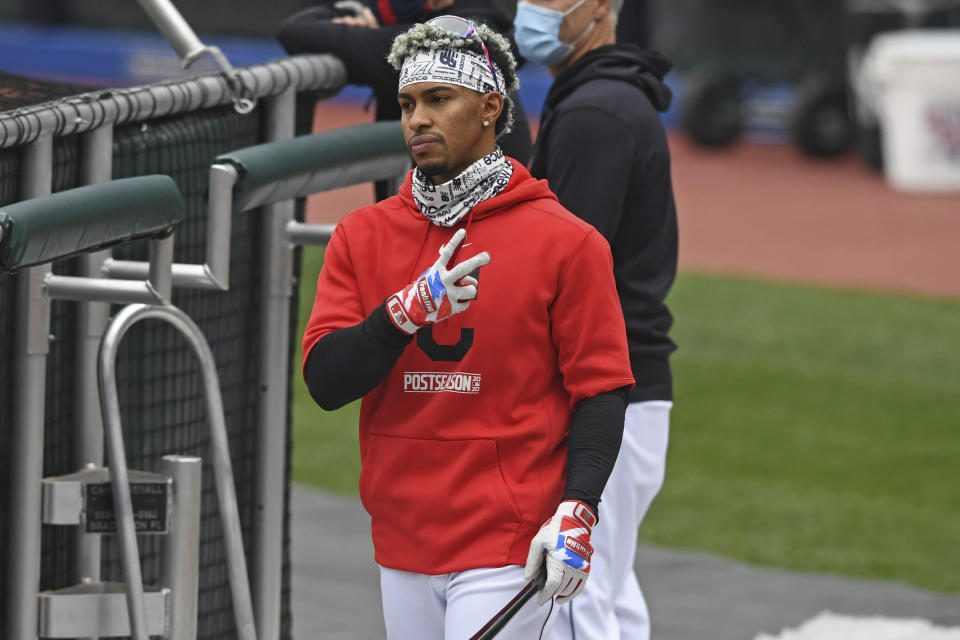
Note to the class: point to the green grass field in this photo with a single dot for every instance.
(813, 429)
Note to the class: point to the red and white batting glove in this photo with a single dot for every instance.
(564, 540)
(438, 292)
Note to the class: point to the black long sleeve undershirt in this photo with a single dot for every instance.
(369, 350)
(593, 443)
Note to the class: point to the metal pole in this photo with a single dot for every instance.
(220, 214)
(309, 233)
(56, 287)
(122, 501)
(174, 28)
(273, 385)
(219, 443)
(96, 160)
(188, 46)
(161, 261)
(181, 549)
(31, 346)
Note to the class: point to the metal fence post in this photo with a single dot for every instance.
(96, 159)
(32, 343)
(273, 384)
(181, 548)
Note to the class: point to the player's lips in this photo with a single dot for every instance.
(422, 143)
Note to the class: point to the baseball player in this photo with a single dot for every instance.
(601, 127)
(479, 321)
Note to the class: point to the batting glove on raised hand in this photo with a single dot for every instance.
(564, 540)
(438, 292)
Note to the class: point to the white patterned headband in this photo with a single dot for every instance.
(452, 66)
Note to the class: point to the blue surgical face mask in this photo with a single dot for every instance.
(537, 32)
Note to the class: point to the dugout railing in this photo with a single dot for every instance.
(43, 229)
(34, 233)
(175, 128)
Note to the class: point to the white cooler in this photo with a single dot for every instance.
(912, 81)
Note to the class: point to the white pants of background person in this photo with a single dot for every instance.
(611, 606)
(454, 606)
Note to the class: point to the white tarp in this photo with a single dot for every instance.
(831, 626)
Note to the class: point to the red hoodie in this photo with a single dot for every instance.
(463, 447)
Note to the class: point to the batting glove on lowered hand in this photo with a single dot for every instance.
(438, 292)
(564, 540)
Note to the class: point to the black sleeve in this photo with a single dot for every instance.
(348, 363)
(596, 430)
(363, 50)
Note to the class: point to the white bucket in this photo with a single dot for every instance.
(913, 78)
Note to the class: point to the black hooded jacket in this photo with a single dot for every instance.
(604, 151)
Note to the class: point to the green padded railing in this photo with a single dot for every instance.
(278, 171)
(89, 218)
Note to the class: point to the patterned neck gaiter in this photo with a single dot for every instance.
(446, 204)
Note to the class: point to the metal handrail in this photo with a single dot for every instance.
(85, 112)
(214, 272)
(222, 468)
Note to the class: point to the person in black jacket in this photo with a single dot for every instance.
(363, 42)
(604, 150)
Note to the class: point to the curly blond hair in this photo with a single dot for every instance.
(426, 37)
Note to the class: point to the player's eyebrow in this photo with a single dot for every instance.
(431, 90)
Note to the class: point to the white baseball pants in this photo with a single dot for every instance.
(454, 606)
(611, 606)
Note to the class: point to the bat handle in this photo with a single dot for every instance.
(497, 622)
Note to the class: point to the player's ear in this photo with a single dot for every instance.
(491, 106)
